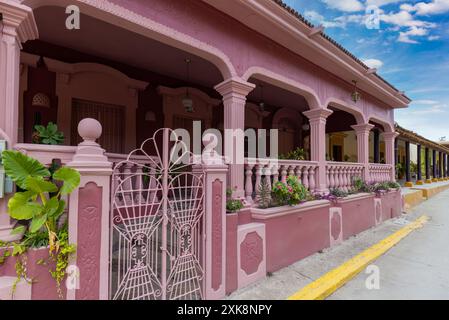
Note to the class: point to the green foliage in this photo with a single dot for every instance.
(338, 193)
(233, 205)
(393, 185)
(400, 170)
(41, 206)
(292, 192)
(264, 195)
(297, 154)
(48, 135)
(19, 167)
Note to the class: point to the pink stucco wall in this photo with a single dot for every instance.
(391, 205)
(246, 49)
(358, 215)
(292, 237)
(44, 287)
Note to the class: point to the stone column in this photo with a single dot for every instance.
(317, 119)
(389, 138)
(408, 178)
(427, 162)
(419, 164)
(89, 215)
(362, 132)
(17, 26)
(434, 164)
(234, 92)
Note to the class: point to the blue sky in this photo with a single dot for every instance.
(410, 49)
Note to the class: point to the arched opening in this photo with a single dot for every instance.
(341, 139)
(281, 109)
(144, 63)
(377, 143)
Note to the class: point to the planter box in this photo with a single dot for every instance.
(358, 213)
(44, 286)
(391, 204)
(293, 233)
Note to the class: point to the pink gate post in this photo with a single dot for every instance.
(89, 215)
(215, 173)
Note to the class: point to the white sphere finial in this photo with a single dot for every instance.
(89, 129)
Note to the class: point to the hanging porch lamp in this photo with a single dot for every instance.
(261, 103)
(355, 95)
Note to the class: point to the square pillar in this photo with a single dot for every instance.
(18, 26)
(362, 132)
(234, 92)
(440, 165)
(89, 214)
(389, 138)
(317, 119)
(376, 146)
(419, 164)
(434, 164)
(408, 177)
(427, 162)
(215, 172)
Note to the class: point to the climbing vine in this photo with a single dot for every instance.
(40, 207)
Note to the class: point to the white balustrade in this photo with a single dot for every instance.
(380, 172)
(340, 175)
(269, 172)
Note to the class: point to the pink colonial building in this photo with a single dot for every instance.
(145, 229)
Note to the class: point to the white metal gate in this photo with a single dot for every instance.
(157, 223)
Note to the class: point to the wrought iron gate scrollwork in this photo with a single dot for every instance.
(157, 223)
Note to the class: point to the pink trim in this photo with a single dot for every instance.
(217, 237)
(335, 226)
(283, 82)
(118, 15)
(344, 106)
(251, 253)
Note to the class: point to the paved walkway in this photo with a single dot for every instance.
(417, 268)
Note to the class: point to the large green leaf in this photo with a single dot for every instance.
(37, 223)
(39, 185)
(21, 208)
(70, 177)
(51, 206)
(19, 167)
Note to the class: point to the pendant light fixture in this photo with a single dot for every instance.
(187, 102)
(355, 96)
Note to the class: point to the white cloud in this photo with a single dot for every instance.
(425, 102)
(412, 32)
(373, 63)
(381, 3)
(345, 5)
(433, 38)
(423, 8)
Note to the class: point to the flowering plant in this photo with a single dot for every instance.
(292, 192)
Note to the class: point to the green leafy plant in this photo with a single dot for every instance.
(41, 206)
(338, 193)
(393, 185)
(233, 205)
(292, 192)
(264, 195)
(297, 154)
(400, 170)
(48, 135)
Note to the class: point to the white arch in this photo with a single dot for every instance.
(285, 83)
(132, 21)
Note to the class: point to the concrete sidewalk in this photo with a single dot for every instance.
(418, 267)
(282, 284)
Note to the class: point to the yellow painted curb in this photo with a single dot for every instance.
(331, 281)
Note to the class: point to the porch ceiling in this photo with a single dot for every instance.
(107, 41)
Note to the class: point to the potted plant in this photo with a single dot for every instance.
(39, 207)
(47, 135)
